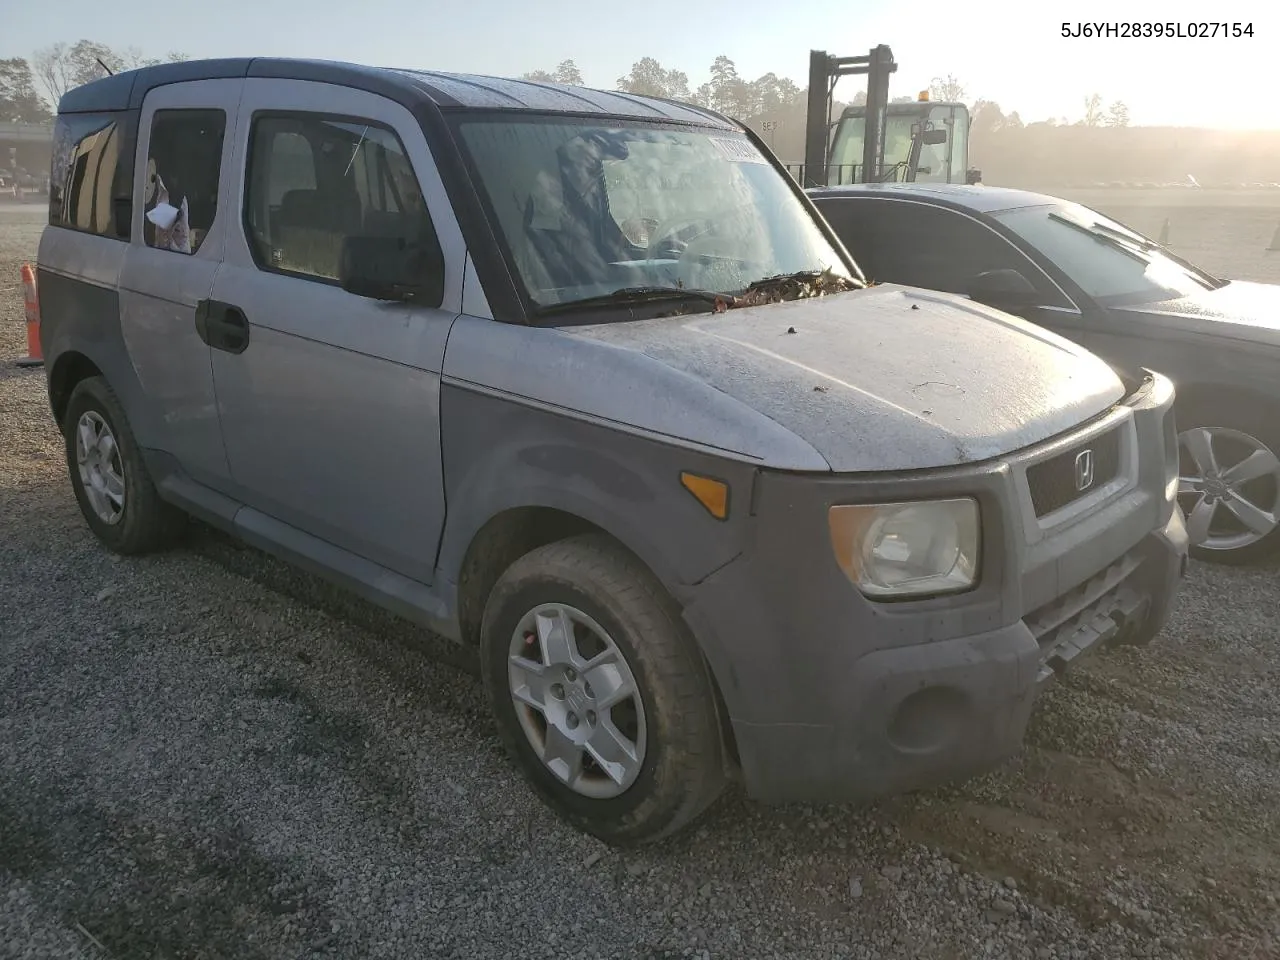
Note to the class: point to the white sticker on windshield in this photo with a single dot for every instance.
(738, 151)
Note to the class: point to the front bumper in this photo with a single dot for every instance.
(921, 716)
(832, 698)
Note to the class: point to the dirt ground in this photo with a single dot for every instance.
(1143, 818)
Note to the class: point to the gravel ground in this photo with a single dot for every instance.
(207, 754)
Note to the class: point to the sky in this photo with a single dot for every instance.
(1012, 54)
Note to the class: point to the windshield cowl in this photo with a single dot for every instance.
(796, 286)
(801, 285)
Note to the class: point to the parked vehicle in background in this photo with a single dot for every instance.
(31, 183)
(924, 142)
(583, 379)
(878, 141)
(1125, 297)
(21, 184)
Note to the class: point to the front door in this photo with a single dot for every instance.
(918, 244)
(181, 220)
(330, 402)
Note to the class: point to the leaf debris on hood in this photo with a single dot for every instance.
(796, 286)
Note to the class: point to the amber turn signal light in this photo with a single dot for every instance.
(712, 494)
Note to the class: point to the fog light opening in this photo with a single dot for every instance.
(929, 720)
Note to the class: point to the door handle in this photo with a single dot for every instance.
(223, 326)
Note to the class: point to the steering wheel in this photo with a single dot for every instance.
(674, 225)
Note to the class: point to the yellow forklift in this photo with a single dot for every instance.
(922, 141)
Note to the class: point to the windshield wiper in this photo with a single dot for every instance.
(1138, 241)
(1110, 238)
(1126, 244)
(787, 286)
(637, 295)
(1154, 246)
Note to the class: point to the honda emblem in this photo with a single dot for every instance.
(1084, 470)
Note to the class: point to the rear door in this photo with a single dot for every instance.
(182, 167)
(329, 401)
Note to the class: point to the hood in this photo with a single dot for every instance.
(887, 378)
(1252, 309)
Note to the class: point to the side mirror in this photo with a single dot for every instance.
(935, 136)
(1004, 290)
(972, 176)
(393, 268)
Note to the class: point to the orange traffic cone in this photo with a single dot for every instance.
(34, 357)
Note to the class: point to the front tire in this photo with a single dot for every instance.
(1229, 483)
(111, 482)
(600, 694)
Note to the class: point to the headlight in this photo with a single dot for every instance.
(908, 549)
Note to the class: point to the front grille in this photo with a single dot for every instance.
(1057, 482)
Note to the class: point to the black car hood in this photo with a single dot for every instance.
(1242, 310)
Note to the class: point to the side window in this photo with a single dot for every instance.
(184, 162)
(924, 246)
(90, 162)
(313, 181)
(857, 225)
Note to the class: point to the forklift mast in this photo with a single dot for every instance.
(824, 71)
(864, 129)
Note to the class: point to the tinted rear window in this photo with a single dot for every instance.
(90, 175)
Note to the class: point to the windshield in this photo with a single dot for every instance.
(1107, 260)
(587, 209)
(938, 162)
(846, 153)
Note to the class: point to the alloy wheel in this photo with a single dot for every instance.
(1228, 488)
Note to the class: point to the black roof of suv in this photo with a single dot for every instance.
(125, 91)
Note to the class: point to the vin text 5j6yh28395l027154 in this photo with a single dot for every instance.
(1172, 30)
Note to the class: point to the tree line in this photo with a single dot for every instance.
(775, 106)
(780, 107)
(30, 89)
(726, 91)
(730, 93)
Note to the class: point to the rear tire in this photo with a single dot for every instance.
(111, 482)
(662, 752)
(1227, 521)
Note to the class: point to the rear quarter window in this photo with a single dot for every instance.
(89, 185)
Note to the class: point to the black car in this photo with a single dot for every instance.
(1121, 295)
